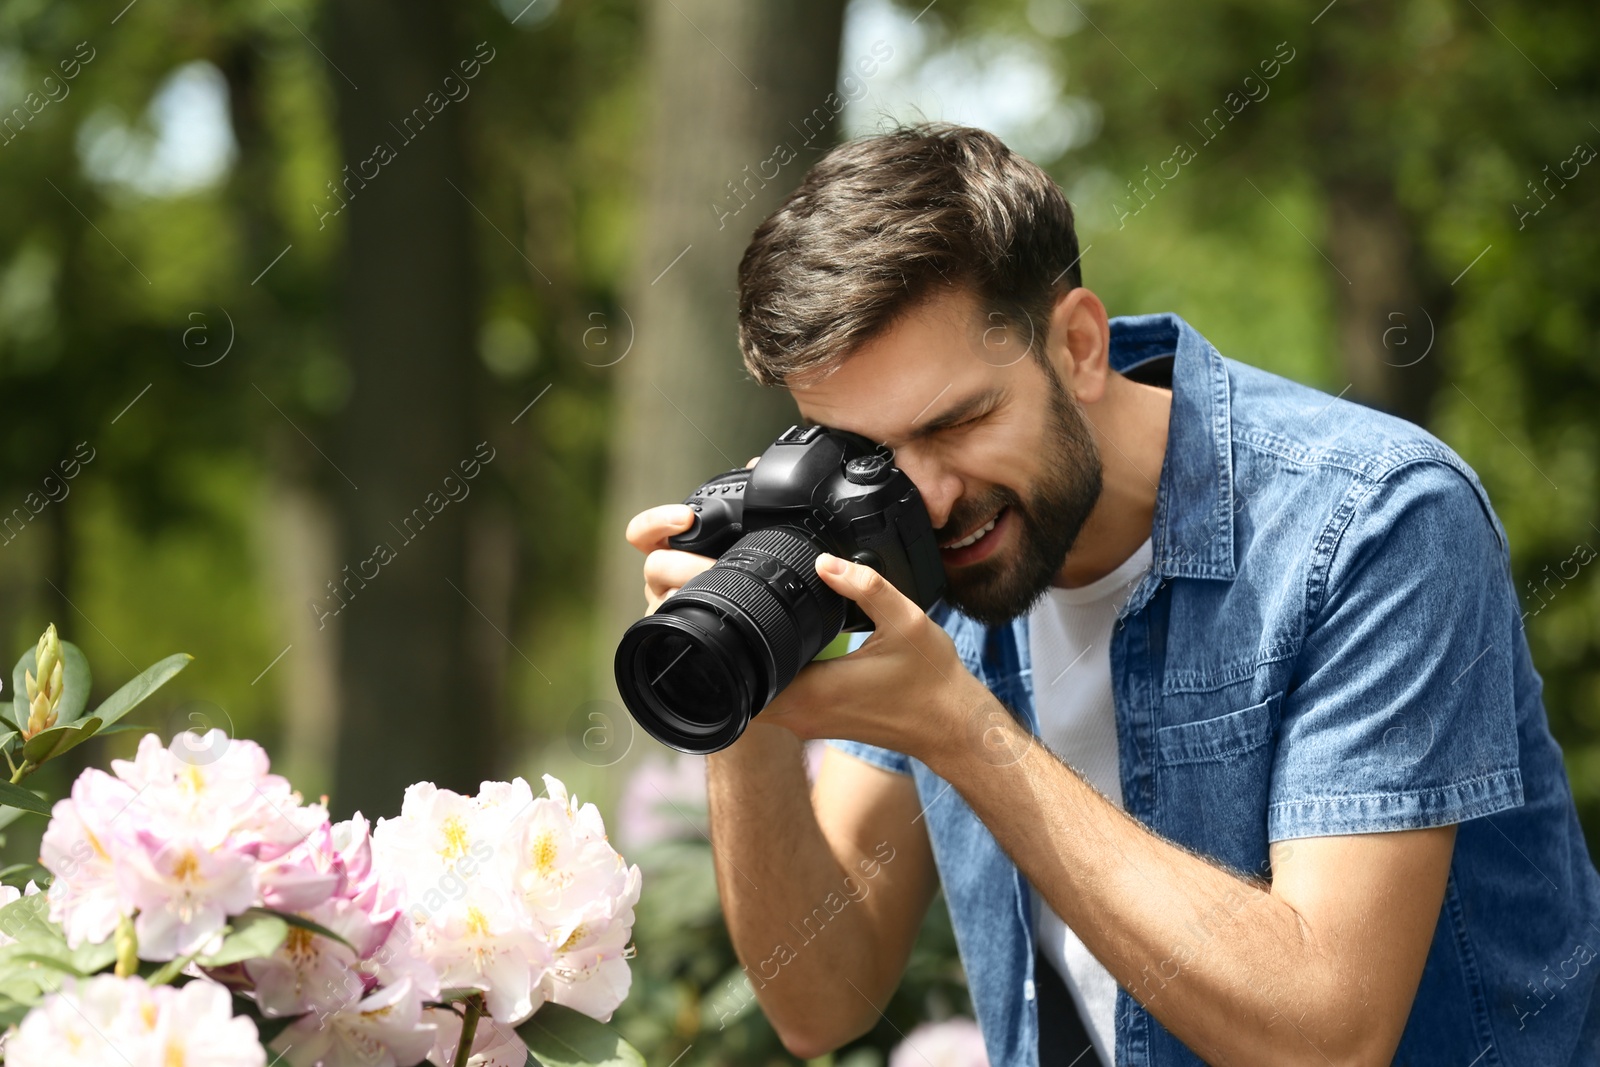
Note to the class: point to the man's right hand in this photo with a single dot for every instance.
(665, 568)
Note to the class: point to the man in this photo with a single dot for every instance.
(1225, 743)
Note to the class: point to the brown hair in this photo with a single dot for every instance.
(878, 223)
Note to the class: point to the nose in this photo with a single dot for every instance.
(939, 486)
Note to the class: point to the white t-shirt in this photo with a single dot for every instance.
(1069, 643)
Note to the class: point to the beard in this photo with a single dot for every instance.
(998, 589)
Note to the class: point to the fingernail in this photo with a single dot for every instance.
(830, 563)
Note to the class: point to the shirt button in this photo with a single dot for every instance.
(1027, 989)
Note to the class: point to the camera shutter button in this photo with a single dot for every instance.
(867, 470)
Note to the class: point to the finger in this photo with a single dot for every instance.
(754, 460)
(669, 568)
(885, 605)
(650, 529)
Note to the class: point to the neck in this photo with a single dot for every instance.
(1130, 427)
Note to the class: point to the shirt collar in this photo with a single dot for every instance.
(1192, 533)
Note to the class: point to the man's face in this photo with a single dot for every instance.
(1003, 456)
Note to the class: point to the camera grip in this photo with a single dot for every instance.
(718, 507)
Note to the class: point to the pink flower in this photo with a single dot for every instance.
(310, 972)
(304, 876)
(187, 836)
(184, 892)
(77, 848)
(663, 800)
(385, 1028)
(953, 1043)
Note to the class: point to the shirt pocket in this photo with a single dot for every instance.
(1212, 783)
(1219, 738)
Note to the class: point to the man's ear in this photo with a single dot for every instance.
(1078, 345)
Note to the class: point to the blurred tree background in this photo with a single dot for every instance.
(338, 340)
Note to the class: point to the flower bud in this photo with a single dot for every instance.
(44, 692)
(127, 945)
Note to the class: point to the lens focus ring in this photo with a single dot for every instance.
(760, 604)
(799, 553)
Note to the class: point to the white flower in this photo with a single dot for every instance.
(445, 855)
(518, 896)
(590, 972)
(384, 1029)
(484, 942)
(109, 1020)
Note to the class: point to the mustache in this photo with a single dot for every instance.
(967, 514)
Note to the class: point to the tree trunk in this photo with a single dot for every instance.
(729, 84)
(412, 708)
(298, 556)
(1387, 302)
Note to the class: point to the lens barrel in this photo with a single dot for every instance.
(718, 650)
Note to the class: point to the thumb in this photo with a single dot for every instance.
(886, 606)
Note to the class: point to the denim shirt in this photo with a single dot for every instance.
(1328, 642)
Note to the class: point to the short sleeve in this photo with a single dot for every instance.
(886, 758)
(1402, 709)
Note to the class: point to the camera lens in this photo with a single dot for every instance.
(717, 651)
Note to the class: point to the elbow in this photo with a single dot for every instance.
(1353, 1045)
(805, 1045)
(820, 1037)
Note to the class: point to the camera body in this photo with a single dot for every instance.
(841, 490)
(716, 652)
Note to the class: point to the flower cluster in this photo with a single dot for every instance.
(353, 998)
(505, 898)
(105, 1019)
(517, 896)
(179, 839)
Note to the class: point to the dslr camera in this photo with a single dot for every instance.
(716, 652)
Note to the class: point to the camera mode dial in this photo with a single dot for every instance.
(871, 469)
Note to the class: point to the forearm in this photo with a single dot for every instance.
(1226, 966)
(775, 871)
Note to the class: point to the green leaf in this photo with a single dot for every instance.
(254, 934)
(131, 695)
(26, 982)
(64, 964)
(74, 685)
(303, 923)
(27, 919)
(47, 744)
(122, 728)
(15, 869)
(26, 799)
(92, 959)
(12, 1012)
(5, 714)
(9, 815)
(558, 1036)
